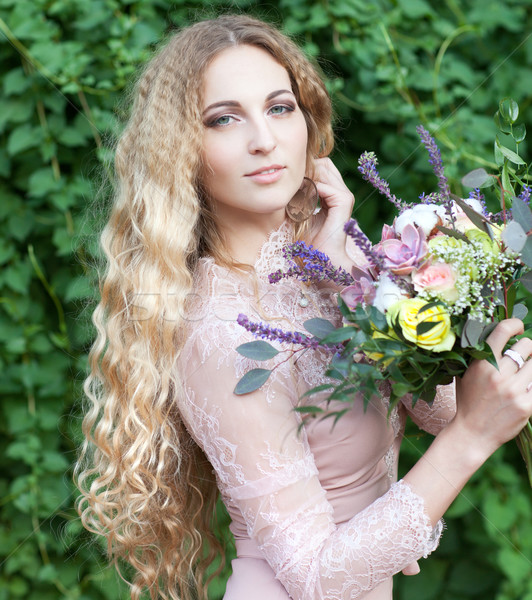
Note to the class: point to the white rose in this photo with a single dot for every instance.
(425, 216)
(474, 204)
(462, 221)
(388, 293)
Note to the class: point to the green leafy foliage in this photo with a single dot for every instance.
(258, 350)
(252, 381)
(391, 64)
(319, 327)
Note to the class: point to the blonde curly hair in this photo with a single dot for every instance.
(144, 483)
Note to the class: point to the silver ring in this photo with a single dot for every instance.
(515, 356)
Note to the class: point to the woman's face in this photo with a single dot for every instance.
(255, 136)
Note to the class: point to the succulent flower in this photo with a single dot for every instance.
(402, 256)
(362, 291)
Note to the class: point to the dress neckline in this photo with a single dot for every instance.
(271, 252)
(270, 256)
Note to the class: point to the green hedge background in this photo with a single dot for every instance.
(391, 64)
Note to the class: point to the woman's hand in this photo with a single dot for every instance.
(337, 204)
(494, 405)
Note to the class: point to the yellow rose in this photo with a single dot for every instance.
(377, 334)
(488, 245)
(443, 242)
(406, 313)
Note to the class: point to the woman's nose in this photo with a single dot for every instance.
(262, 138)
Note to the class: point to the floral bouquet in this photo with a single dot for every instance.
(418, 312)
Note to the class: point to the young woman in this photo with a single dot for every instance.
(228, 119)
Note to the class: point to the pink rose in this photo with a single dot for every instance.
(463, 222)
(438, 278)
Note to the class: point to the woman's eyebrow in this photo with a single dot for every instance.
(278, 93)
(235, 104)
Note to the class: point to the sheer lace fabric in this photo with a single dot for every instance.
(318, 506)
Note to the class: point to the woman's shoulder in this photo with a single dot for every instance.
(213, 304)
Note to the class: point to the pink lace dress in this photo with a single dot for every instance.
(316, 512)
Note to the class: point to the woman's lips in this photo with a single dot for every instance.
(269, 174)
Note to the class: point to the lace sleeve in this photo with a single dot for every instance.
(266, 470)
(433, 418)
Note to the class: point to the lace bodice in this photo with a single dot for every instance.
(319, 506)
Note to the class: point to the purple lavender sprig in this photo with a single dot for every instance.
(477, 195)
(432, 198)
(266, 332)
(374, 258)
(525, 194)
(316, 266)
(361, 240)
(499, 217)
(368, 167)
(437, 166)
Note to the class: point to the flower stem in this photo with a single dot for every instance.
(524, 443)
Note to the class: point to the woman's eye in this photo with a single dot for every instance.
(280, 109)
(220, 121)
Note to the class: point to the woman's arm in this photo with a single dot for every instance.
(493, 405)
(437, 415)
(267, 472)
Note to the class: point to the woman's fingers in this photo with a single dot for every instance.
(332, 184)
(411, 569)
(495, 403)
(517, 357)
(514, 362)
(499, 337)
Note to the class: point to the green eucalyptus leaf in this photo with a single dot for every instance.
(506, 183)
(363, 320)
(509, 110)
(520, 311)
(526, 280)
(471, 333)
(476, 178)
(498, 155)
(514, 236)
(510, 154)
(252, 381)
(519, 133)
(341, 334)
(501, 123)
(319, 327)
(453, 233)
(378, 318)
(526, 252)
(258, 350)
(522, 214)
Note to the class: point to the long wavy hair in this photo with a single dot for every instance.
(144, 483)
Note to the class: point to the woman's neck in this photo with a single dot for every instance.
(245, 238)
